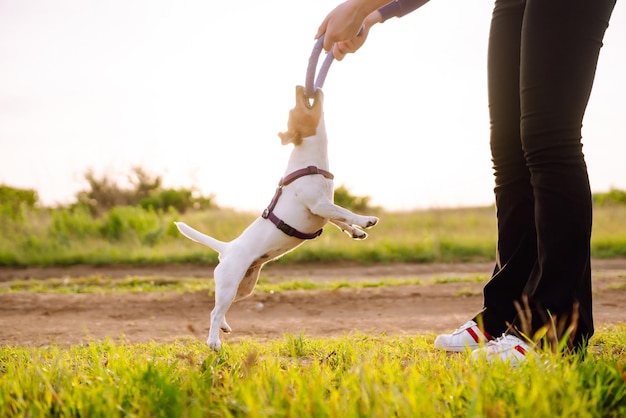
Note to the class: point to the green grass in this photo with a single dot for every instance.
(296, 376)
(38, 237)
(354, 375)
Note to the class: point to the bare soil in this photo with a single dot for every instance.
(43, 319)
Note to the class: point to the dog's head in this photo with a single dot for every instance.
(303, 118)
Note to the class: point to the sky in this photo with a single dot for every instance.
(196, 91)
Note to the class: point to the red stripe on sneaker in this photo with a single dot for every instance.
(520, 349)
(473, 334)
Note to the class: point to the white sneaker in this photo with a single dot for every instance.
(467, 336)
(507, 348)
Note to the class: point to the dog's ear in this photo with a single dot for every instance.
(290, 137)
(303, 118)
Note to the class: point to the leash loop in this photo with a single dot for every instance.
(312, 83)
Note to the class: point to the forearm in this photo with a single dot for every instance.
(366, 7)
(399, 8)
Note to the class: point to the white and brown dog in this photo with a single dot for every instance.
(302, 205)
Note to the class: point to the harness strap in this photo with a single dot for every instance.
(268, 213)
(304, 172)
(289, 230)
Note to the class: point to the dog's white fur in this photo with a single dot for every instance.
(306, 204)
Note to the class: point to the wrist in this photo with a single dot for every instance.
(373, 18)
(367, 7)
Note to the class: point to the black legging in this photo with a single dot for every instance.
(541, 62)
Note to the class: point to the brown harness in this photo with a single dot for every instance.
(268, 213)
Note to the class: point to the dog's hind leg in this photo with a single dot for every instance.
(225, 327)
(227, 279)
(244, 290)
(249, 281)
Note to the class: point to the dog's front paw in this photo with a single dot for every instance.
(358, 234)
(215, 345)
(372, 221)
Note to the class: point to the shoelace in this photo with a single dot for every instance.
(498, 340)
(517, 344)
(463, 327)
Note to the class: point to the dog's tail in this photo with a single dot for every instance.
(201, 238)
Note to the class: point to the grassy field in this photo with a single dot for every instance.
(294, 376)
(351, 376)
(130, 235)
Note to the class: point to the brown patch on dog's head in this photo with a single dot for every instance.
(303, 118)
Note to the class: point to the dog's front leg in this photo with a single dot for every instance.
(353, 232)
(327, 209)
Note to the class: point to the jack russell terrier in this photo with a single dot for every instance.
(301, 207)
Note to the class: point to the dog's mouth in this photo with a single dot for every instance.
(309, 102)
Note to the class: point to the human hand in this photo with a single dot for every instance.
(339, 31)
(341, 49)
(343, 23)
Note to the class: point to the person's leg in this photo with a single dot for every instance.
(561, 41)
(550, 268)
(516, 245)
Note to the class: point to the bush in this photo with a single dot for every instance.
(127, 222)
(75, 222)
(145, 190)
(344, 198)
(104, 193)
(18, 197)
(179, 199)
(14, 201)
(612, 197)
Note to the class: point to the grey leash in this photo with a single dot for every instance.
(310, 86)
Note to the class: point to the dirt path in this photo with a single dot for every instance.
(40, 319)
